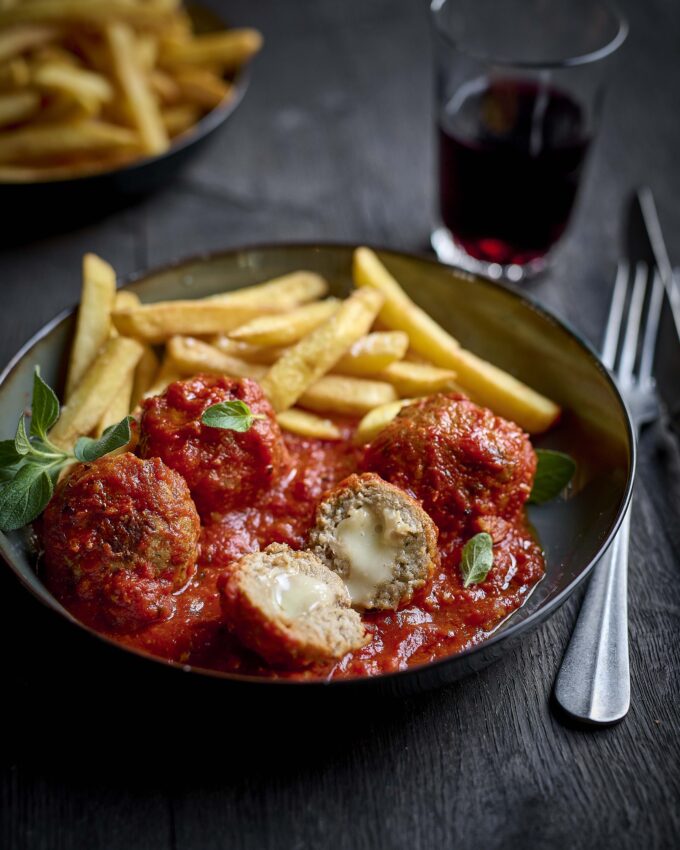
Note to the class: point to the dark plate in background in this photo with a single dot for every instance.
(500, 325)
(54, 206)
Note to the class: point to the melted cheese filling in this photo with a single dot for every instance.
(370, 540)
(297, 594)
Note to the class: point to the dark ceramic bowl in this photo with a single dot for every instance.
(498, 324)
(41, 207)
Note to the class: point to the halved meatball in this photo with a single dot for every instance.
(289, 608)
(224, 469)
(377, 538)
(122, 533)
(458, 459)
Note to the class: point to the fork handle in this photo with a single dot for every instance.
(593, 683)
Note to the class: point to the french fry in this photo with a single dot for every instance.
(418, 379)
(347, 396)
(285, 328)
(164, 87)
(484, 382)
(167, 374)
(18, 106)
(126, 299)
(246, 351)
(141, 102)
(154, 323)
(15, 73)
(95, 393)
(377, 419)
(278, 294)
(119, 407)
(305, 362)
(373, 353)
(79, 83)
(202, 87)
(308, 424)
(16, 40)
(190, 356)
(83, 136)
(93, 324)
(229, 49)
(145, 374)
(178, 119)
(151, 14)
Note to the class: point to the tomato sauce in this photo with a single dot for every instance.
(441, 619)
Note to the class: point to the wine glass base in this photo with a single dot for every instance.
(450, 252)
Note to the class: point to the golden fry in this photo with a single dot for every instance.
(191, 356)
(153, 13)
(15, 73)
(178, 119)
(79, 83)
(377, 419)
(145, 375)
(347, 396)
(305, 362)
(285, 328)
(308, 424)
(485, 383)
(164, 87)
(93, 324)
(126, 299)
(83, 136)
(281, 293)
(119, 407)
(167, 374)
(418, 379)
(16, 40)
(202, 87)
(95, 393)
(18, 106)
(373, 353)
(229, 49)
(140, 100)
(246, 351)
(154, 323)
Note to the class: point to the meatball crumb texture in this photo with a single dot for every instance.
(378, 539)
(224, 469)
(460, 460)
(122, 533)
(289, 608)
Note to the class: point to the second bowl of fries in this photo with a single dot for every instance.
(90, 89)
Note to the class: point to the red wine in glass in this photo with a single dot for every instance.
(511, 153)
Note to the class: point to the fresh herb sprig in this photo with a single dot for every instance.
(476, 559)
(553, 472)
(231, 416)
(30, 463)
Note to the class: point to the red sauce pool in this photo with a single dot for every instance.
(442, 619)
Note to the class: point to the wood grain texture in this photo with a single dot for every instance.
(334, 142)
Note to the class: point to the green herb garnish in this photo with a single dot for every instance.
(30, 463)
(230, 415)
(553, 472)
(476, 559)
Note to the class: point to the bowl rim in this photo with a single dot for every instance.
(497, 636)
(202, 128)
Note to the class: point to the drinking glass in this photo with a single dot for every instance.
(519, 90)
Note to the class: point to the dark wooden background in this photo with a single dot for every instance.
(334, 142)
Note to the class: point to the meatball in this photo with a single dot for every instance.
(458, 459)
(224, 469)
(122, 533)
(377, 538)
(289, 608)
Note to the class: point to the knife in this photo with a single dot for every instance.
(645, 242)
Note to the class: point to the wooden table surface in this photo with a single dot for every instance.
(334, 142)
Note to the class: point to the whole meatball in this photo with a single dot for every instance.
(122, 533)
(459, 459)
(224, 469)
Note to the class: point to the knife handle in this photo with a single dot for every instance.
(593, 684)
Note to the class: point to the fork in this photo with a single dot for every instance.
(593, 683)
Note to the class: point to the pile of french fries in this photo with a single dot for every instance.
(90, 85)
(314, 356)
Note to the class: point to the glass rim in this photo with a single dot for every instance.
(622, 29)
